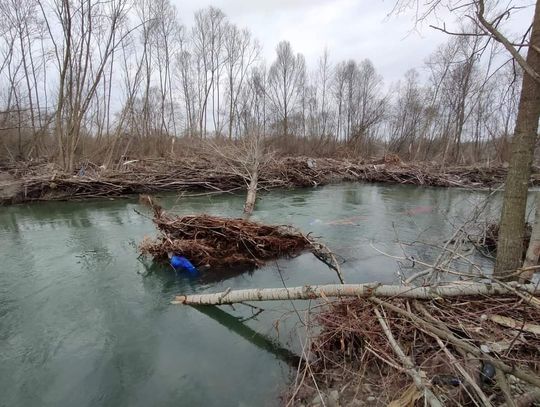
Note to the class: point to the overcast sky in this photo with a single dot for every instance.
(354, 29)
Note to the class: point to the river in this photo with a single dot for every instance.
(84, 322)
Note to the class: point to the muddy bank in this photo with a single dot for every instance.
(30, 181)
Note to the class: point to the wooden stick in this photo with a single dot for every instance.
(527, 399)
(505, 388)
(375, 289)
(324, 254)
(514, 324)
(417, 376)
(533, 251)
(481, 395)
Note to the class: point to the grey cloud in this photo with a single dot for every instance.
(350, 29)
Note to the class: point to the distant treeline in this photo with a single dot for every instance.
(105, 80)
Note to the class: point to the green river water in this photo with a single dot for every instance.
(83, 322)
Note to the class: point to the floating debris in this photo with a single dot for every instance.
(216, 242)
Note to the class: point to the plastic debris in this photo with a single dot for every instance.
(180, 262)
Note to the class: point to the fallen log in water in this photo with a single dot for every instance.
(260, 340)
(309, 292)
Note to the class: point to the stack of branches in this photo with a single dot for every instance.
(423, 174)
(208, 171)
(218, 242)
(478, 350)
(135, 176)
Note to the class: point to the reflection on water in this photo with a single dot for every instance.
(239, 327)
(84, 322)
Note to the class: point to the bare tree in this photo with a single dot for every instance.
(81, 67)
(361, 105)
(370, 102)
(241, 51)
(323, 78)
(207, 39)
(245, 158)
(167, 38)
(284, 79)
(512, 225)
(407, 117)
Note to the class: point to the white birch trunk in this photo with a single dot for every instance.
(309, 292)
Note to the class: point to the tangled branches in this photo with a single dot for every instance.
(209, 172)
(489, 236)
(465, 350)
(217, 242)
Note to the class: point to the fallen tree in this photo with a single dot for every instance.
(310, 292)
(460, 344)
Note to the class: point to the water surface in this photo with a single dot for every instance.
(83, 322)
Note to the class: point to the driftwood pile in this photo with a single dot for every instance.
(216, 242)
(461, 351)
(44, 181)
(295, 171)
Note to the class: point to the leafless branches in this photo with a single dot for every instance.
(108, 81)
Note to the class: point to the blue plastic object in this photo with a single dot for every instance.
(179, 262)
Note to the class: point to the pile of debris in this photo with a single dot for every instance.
(216, 242)
(43, 181)
(460, 351)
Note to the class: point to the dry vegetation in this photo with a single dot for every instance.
(217, 243)
(30, 181)
(87, 80)
(468, 351)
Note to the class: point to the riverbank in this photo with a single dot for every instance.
(41, 181)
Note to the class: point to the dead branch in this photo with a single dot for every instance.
(417, 375)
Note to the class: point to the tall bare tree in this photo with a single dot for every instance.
(82, 56)
(512, 225)
(241, 51)
(284, 80)
(208, 40)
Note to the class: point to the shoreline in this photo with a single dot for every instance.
(30, 182)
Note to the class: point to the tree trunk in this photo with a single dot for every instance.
(252, 191)
(512, 224)
(309, 292)
(231, 106)
(533, 251)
